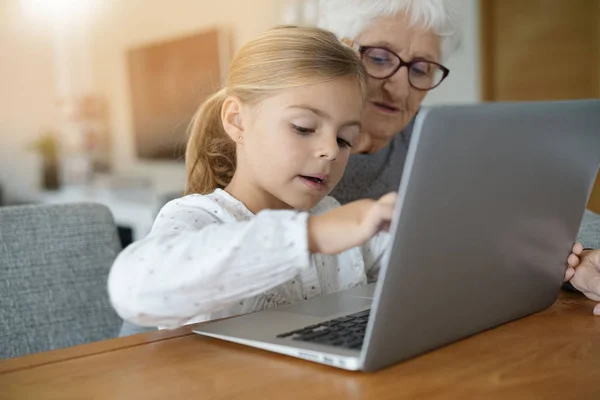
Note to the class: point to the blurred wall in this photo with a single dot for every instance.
(27, 96)
(463, 83)
(30, 84)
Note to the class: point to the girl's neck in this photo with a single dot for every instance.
(253, 196)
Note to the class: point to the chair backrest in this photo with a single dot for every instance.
(54, 263)
(589, 233)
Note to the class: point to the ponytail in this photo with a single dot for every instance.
(210, 154)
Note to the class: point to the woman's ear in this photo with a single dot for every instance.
(231, 116)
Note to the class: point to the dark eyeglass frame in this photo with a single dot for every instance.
(445, 71)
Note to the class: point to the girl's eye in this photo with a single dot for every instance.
(343, 143)
(301, 130)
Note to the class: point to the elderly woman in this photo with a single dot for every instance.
(403, 45)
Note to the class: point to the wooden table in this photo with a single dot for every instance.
(553, 354)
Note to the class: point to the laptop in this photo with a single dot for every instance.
(489, 206)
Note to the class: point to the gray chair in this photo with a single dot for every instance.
(589, 234)
(54, 264)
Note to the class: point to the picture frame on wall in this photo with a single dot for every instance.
(168, 81)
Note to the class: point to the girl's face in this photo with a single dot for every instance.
(293, 147)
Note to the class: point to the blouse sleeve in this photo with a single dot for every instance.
(192, 263)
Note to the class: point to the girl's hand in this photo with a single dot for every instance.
(350, 225)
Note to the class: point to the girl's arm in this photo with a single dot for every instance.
(192, 263)
(374, 248)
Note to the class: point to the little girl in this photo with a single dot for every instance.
(256, 229)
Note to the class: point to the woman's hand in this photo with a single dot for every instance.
(584, 273)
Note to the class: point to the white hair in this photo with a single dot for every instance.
(349, 18)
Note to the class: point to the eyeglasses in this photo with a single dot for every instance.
(381, 63)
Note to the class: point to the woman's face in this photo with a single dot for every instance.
(392, 102)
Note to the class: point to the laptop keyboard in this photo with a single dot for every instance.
(347, 331)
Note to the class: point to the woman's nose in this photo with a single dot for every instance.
(397, 85)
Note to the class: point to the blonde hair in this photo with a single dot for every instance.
(281, 58)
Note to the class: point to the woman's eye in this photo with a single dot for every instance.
(343, 143)
(302, 130)
(378, 60)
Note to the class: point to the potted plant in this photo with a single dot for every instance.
(47, 147)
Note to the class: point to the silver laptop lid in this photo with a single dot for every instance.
(490, 203)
